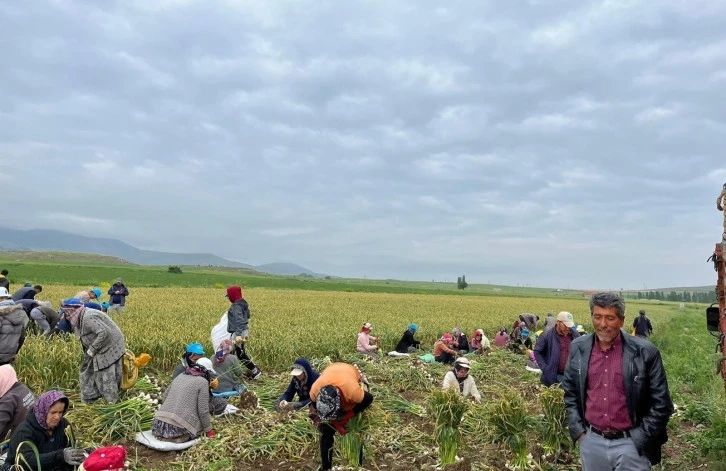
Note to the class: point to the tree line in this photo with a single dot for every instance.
(706, 297)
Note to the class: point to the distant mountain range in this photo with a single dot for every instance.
(45, 239)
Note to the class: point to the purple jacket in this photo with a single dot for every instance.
(547, 354)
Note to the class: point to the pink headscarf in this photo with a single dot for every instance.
(8, 378)
(74, 316)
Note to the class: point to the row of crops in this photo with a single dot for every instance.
(412, 425)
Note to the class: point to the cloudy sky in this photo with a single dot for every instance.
(540, 142)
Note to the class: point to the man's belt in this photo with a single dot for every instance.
(610, 434)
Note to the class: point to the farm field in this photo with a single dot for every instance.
(322, 325)
(87, 269)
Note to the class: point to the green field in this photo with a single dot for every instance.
(291, 319)
(84, 269)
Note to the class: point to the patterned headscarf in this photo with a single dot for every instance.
(198, 370)
(328, 404)
(8, 378)
(224, 349)
(45, 402)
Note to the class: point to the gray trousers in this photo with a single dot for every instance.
(40, 319)
(600, 454)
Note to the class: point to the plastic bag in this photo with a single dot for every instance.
(427, 358)
(219, 332)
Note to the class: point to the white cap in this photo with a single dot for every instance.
(463, 362)
(206, 363)
(4, 292)
(367, 325)
(566, 318)
(297, 371)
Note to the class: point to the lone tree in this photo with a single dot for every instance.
(175, 269)
(461, 282)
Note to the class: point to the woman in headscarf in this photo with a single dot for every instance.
(238, 326)
(522, 343)
(443, 353)
(104, 346)
(461, 343)
(192, 353)
(337, 395)
(303, 377)
(15, 401)
(364, 341)
(408, 343)
(185, 413)
(502, 338)
(460, 380)
(480, 343)
(516, 330)
(46, 428)
(228, 368)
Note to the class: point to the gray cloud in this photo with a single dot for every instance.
(545, 143)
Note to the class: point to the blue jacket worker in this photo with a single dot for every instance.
(553, 349)
(303, 377)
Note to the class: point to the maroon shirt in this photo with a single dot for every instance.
(606, 406)
(565, 341)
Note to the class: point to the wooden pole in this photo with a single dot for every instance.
(721, 296)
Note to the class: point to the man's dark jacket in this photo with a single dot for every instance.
(646, 389)
(26, 292)
(547, 354)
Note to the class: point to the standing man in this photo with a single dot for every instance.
(641, 324)
(238, 319)
(4, 282)
(118, 292)
(616, 393)
(553, 349)
(27, 292)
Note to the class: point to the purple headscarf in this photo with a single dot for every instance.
(44, 403)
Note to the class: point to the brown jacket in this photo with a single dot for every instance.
(14, 406)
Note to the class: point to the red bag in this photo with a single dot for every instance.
(105, 459)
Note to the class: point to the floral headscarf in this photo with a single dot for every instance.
(224, 349)
(45, 402)
(328, 403)
(73, 308)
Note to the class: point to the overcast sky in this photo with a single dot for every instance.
(542, 142)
